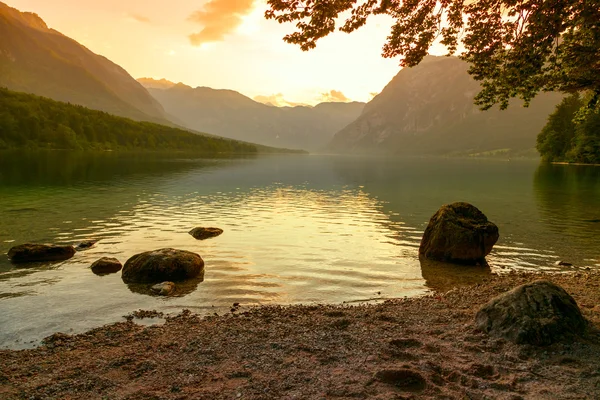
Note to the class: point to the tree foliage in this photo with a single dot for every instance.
(516, 48)
(572, 133)
(28, 121)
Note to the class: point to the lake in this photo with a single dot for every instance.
(298, 228)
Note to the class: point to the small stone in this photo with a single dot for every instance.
(164, 288)
(563, 264)
(106, 265)
(201, 233)
(86, 244)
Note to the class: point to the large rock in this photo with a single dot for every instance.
(538, 313)
(459, 233)
(201, 233)
(162, 265)
(106, 265)
(30, 252)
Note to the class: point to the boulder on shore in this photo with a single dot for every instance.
(106, 265)
(30, 252)
(538, 313)
(163, 289)
(162, 265)
(201, 233)
(459, 233)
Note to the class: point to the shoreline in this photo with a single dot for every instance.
(315, 352)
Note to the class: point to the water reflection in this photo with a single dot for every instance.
(182, 289)
(443, 276)
(568, 197)
(297, 229)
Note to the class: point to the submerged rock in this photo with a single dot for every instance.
(563, 264)
(459, 233)
(30, 252)
(538, 313)
(163, 289)
(86, 244)
(162, 265)
(181, 289)
(106, 265)
(205, 233)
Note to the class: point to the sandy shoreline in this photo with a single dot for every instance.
(317, 352)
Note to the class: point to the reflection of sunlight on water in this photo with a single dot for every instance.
(282, 244)
(311, 238)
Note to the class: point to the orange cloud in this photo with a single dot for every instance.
(218, 18)
(139, 18)
(334, 96)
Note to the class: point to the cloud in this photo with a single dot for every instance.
(139, 18)
(219, 18)
(334, 96)
(277, 100)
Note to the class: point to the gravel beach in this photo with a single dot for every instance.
(413, 348)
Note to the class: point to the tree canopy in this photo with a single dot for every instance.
(571, 135)
(516, 48)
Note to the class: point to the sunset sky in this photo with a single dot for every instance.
(224, 44)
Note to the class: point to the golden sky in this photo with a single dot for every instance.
(223, 44)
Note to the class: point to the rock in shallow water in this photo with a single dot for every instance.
(163, 289)
(538, 313)
(205, 233)
(30, 252)
(162, 265)
(86, 244)
(106, 265)
(460, 233)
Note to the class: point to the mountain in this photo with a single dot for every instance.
(150, 83)
(42, 61)
(30, 122)
(429, 109)
(231, 114)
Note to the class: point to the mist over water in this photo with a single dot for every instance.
(298, 229)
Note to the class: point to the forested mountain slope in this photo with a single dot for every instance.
(31, 122)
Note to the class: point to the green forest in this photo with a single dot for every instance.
(33, 122)
(572, 133)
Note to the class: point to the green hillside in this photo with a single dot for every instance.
(33, 122)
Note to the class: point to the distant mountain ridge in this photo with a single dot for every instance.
(429, 109)
(42, 61)
(231, 114)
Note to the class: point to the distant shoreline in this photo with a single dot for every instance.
(569, 163)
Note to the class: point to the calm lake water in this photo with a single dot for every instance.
(298, 229)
